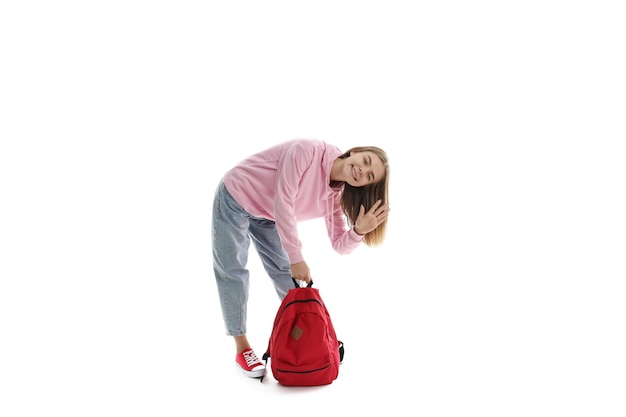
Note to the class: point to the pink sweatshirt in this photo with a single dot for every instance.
(289, 183)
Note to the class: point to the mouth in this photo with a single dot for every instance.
(353, 172)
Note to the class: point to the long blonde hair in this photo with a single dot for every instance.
(353, 197)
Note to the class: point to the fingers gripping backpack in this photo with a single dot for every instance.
(303, 348)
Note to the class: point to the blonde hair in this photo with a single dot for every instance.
(353, 197)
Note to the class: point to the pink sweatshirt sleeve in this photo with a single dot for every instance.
(292, 165)
(344, 240)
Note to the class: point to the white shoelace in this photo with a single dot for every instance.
(251, 358)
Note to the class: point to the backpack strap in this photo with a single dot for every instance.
(341, 351)
(295, 282)
(266, 356)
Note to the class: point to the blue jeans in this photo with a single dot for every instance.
(231, 232)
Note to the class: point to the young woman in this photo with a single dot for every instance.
(261, 200)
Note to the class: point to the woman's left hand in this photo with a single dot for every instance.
(366, 222)
(301, 271)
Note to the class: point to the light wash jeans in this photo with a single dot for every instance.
(231, 231)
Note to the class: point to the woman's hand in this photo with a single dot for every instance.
(366, 222)
(301, 271)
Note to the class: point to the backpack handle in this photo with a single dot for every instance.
(295, 282)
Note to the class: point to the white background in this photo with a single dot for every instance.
(498, 291)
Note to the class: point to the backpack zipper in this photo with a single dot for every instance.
(303, 372)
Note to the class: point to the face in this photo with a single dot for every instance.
(363, 168)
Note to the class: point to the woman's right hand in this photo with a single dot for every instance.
(366, 222)
(300, 271)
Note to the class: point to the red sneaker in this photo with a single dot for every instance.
(250, 364)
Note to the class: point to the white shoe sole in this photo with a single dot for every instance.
(255, 373)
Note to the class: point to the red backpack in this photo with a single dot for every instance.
(303, 346)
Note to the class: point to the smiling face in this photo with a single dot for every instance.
(359, 169)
